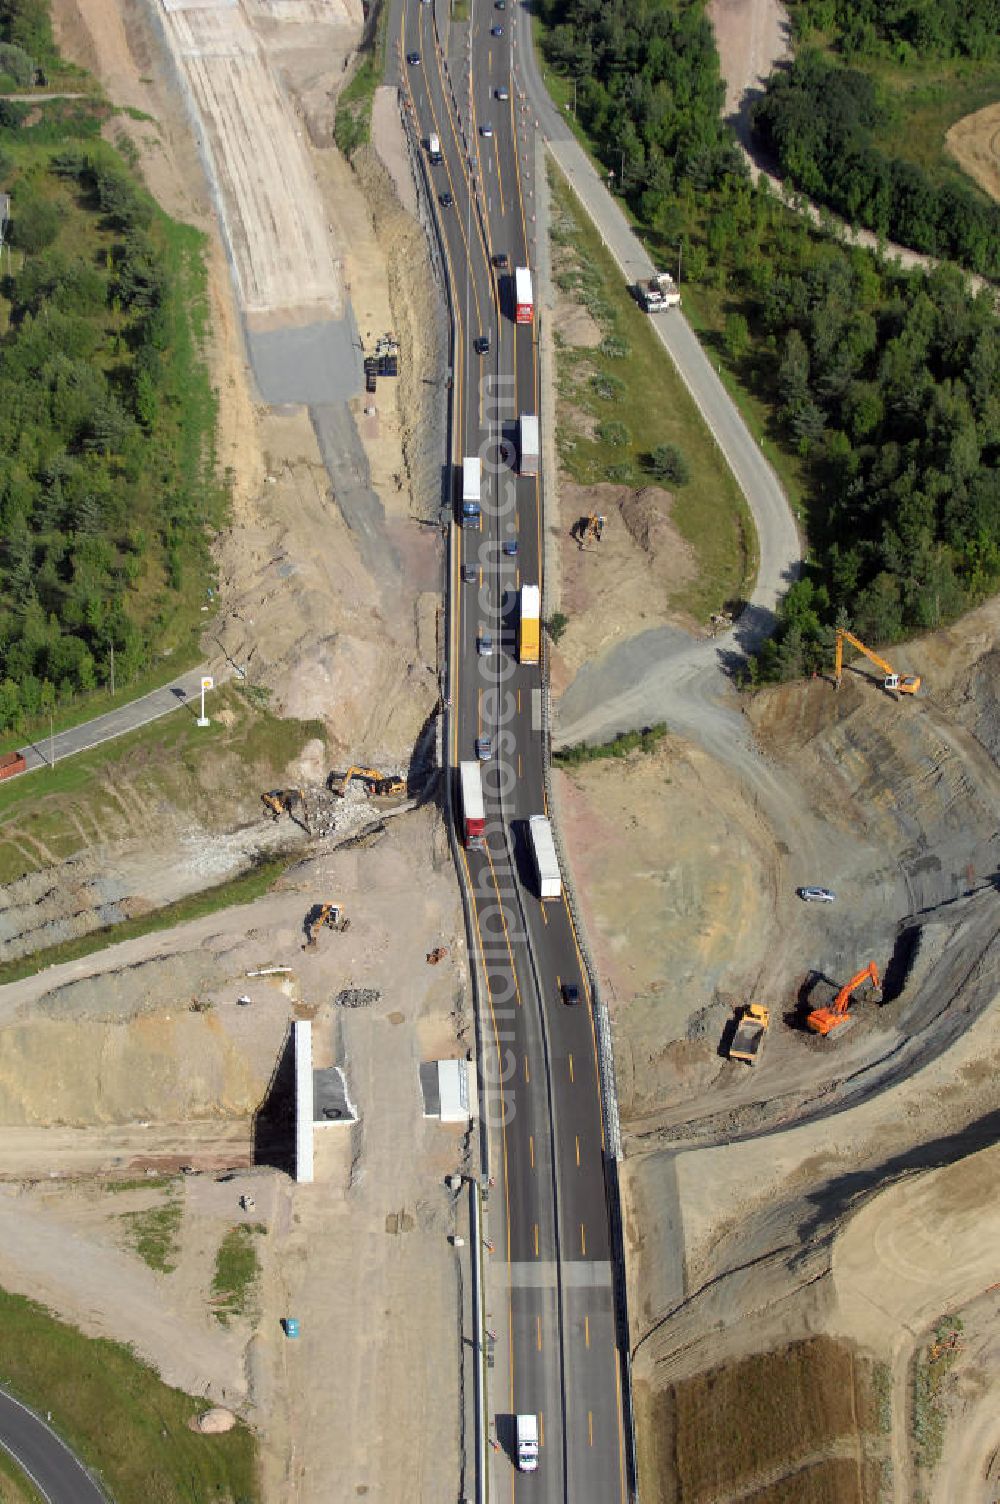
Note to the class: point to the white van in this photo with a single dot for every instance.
(527, 1443)
(433, 147)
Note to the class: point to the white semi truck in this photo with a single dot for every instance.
(543, 851)
(529, 458)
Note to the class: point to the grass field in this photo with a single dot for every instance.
(115, 1413)
(154, 1231)
(237, 1270)
(15, 1486)
(170, 762)
(781, 1412)
(634, 400)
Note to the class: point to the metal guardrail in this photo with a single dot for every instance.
(602, 1021)
(479, 983)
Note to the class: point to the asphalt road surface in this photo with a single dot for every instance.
(549, 1281)
(184, 690)
(48, 1462)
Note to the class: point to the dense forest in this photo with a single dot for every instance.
(107, 419)
(649, 94)
(816, 119)
(932, 28)
(886, 384)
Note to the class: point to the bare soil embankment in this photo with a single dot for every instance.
(688, 865)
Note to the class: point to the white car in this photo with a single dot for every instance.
(816, 895)
(485, 643)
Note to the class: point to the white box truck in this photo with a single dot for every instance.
(527, 1443)
(543, 850)
(529, 444)
(472, 487)
(433, 147)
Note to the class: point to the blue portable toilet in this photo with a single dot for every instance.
(291, 1325)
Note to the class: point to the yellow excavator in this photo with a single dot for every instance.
(588, 529)
(284, 802)
(328, 915)
(382, 785)
(903, 684)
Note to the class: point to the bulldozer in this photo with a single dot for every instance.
(284, 802)
(827, 1021)
(382, 785)
(325, 915)
(893, 683)
(587, 529)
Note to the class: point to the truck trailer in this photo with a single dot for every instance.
(529, 446)
(473, 808)
(523, 296)
(543, 851)
(529, 624)
(472, 486)
(527, 1443)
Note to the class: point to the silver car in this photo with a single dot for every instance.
(485, 643)
(816, 895)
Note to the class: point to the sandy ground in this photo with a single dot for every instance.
(176, 1086)
(335, 613)
(975, 144)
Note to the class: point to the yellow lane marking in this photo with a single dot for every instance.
(527, 1073)
(583, 1239)
(572, 1077)
(586, 1330)
(545, 917)
(531, 1148)
(578, 1151)
(590, 1427)
(538, 1332)
(536, 1240)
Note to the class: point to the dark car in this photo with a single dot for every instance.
(445, 200)
(470, 574)
(496, 31)
(570, 994)
(413, 58)
(482, 344)
(501, 260)
(503, 93)
(510, 547)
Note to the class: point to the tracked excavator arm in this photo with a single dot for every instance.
(827, 1020)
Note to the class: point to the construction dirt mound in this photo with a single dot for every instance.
(646, 515)
(739, 1180)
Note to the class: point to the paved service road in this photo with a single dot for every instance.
(549, 1281)
(184, 690)
(780, 553)
(48, 1462)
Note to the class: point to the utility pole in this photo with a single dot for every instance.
(112, 670)
(52, 743)
(680, 252)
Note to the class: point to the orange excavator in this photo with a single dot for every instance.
(903, 684)
(827, 1020)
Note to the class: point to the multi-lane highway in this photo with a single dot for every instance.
(549, 1281)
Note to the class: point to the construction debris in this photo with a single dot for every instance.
(357, 997)
(436, 955)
